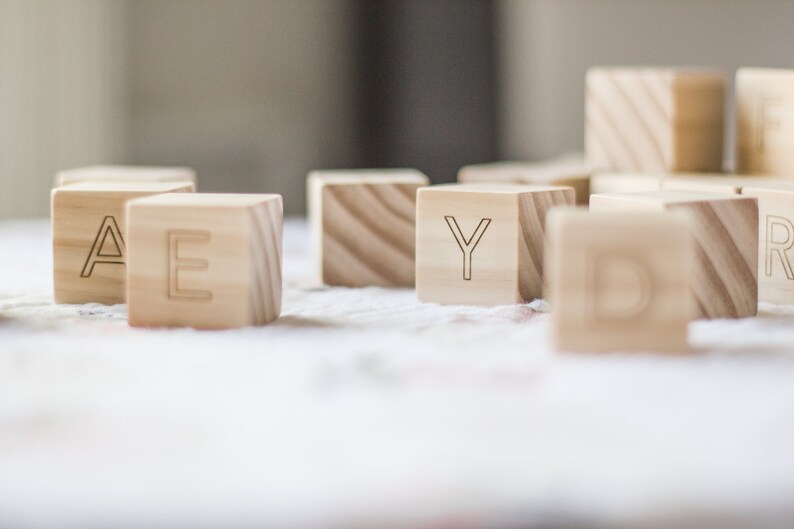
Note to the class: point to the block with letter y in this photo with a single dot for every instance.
(619, 281)
(89, 238)
(483, 244)
(210, 261)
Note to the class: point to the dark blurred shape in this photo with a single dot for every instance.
(427, 84)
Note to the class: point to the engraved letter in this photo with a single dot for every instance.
(177, 264)
(467, 246)
(764, 120)
(779, 246)
(621, 288)
(106, 250)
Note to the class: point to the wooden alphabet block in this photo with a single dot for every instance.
(125, 173)
(619, 281)
(564, 172)
(725, 233)
(654, 120)
(483, 244)
(363, 226)
(89, 238)
(624, 182)
(775, 240)
(765, 121)
(209, 261)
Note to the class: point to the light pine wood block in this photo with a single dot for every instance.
(725, 234)
(654, 120)
(363, 226)
(89, 238)
(125, 173)
(625, 182)
(620, 281)
(571, 173)
(775, 242)
(483, 244)
(208, 261)
(765, 121)
(719, 183)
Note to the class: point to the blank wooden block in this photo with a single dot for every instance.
(620, 281)
(624, 182)
(652, 120)
(89, 238)
(124, 173)
(564, 172)
(483, 244)
(209, 261)
(775, 239)
(725, 233)
(363, 226)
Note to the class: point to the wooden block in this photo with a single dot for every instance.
(89, 238)
(654, 120)
(725, 234)
(619, 281)
(483, 244)
(775, 239)
(124, 173)
(564, 172)
(209, 261)
(363, 226)
(765, 121)
(624, 182)
(719, 183)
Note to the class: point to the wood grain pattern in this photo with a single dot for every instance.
(725, 234)
(568, 172)
(654, 120)
(89, 238)
(765, 121)
(209, 261)
(124, 173)
(363, 225)
(483, 244)
(619, 281)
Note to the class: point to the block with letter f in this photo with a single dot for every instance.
(483, 244)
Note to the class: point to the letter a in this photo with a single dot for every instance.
(779, 247)
(467, 246)
(100, 253)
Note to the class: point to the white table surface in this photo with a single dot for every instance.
(363, 407)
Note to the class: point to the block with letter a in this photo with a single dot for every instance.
(209, 261)
(483, 244)
(619, 281)
(765, 121)
(89, 238)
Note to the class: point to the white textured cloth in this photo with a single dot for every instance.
(364, 407)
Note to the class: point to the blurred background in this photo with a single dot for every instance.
(255, 93)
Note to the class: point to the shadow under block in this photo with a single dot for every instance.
(765, 121)
(619, 281)
(725, 235)
(209, 261)
(89, 238)
(124, 173)
(364, 226)
(654, 120)
(481, 244)
(564, 172)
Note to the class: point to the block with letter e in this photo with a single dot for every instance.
(483, 244)
(619, 281)
(725, 240)
(89, 240)
(209, 261)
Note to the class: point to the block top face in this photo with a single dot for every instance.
(480, 188)
(770, 73)
(674, 75)
(662, 198)
(717, 183)
(203, 200)
(125, 187)
(368, 176)
(125, 173)
(525, 171)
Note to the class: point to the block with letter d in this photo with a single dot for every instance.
(89, 240)
(619, 281)
(209, 261)
(483, 244)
